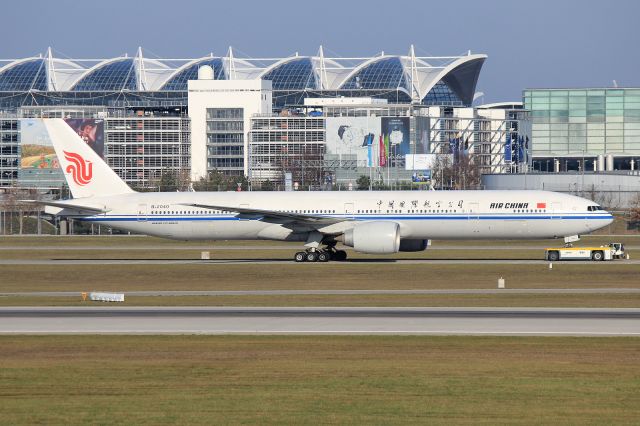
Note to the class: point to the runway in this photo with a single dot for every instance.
(302, 264)
(421, 321)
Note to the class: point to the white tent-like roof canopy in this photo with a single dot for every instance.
(415, 77)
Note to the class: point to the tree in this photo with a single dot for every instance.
(267, 185)
(19, 211)
(168, 181)
(606, 199)
(456, 172)
(218, 181)
(363, 183)
(634, 212)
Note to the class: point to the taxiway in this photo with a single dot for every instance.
(197, 320)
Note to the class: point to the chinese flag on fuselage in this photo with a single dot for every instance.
(541, 206)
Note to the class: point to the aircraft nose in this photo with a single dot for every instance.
(610, 219)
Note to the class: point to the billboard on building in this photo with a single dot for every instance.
(423, 141)
(421, 177)
(36, 151)
(91, 131)
(396, 136)
(419, 161)
(355, 137)
(39, 165)
(373, 141)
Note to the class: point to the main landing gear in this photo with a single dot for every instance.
(320, 255)
(314, 253)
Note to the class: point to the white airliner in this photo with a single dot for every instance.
(378, 222)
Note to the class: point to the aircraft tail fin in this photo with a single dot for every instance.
(85, 172)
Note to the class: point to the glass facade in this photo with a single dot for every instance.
(584, 123)
(179, 81)
(382, 74)
(225, 140)
(127, 81)
(441, 94)
(287, 144)
(9, 150)
(297, 74)
(141, 148)
(114, 76)
(24, 76)
(387, 79)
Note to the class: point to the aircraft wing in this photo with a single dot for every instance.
(82, 210)
(274, 215)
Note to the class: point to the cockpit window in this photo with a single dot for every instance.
(594, 208)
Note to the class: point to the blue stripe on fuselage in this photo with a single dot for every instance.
(135, 218)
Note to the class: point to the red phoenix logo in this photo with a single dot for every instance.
(80, 169)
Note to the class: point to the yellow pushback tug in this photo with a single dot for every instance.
(608, 252)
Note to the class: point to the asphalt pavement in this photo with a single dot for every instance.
(330, 320)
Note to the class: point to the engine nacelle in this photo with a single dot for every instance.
(413, 245)
(374, 237)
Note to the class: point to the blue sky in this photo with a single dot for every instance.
(535, 43)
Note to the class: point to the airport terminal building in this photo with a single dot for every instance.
(140, 81)
(140, 117)
(587, 129)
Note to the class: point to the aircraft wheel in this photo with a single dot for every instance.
(341, 255)
(300, 256)
(312, 256)
(323, 257)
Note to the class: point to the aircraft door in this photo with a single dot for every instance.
(474, 211)
(474, 216)
(348, 209)
(142, 212)
(556, 209)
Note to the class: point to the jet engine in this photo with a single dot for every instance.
(413, 245)
(374, 237)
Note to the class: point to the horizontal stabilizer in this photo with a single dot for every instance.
(82, 209)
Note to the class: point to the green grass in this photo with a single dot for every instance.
(377, 380)
(256, 253)
(382, 274)
(202, 276)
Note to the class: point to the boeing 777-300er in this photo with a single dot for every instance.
(379, 222)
